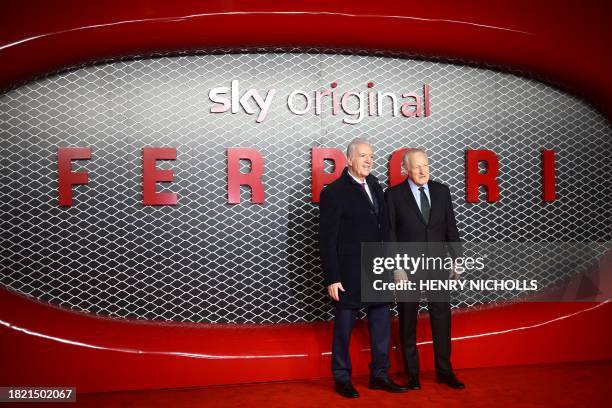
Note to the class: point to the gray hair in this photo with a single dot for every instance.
(357, 141)
(406, 158)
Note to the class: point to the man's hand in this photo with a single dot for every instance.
(332, 291)
(400, 275)
(454, 275)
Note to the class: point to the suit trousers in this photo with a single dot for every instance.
(440, 319)
(379, 326)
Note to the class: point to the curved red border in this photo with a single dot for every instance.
(45, 345)
(566, 44)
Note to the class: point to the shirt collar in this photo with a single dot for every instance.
(414, 187)
(356, 179)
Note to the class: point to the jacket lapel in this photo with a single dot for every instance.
(436, 202)
(360, 188)
(375, 195)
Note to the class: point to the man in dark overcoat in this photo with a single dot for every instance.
(352, 211)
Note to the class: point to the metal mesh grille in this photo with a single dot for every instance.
(206, 261)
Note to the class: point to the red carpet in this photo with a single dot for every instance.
(569, 384)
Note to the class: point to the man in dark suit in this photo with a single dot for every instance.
(352, 211)
(421, 211)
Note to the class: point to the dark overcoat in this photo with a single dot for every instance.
(348, 218)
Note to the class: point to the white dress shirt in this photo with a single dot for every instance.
(367, 188)
(417, 194)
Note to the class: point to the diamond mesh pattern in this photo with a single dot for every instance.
(206, 261)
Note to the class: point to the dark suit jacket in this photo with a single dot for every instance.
(408, 225)
(348, 218)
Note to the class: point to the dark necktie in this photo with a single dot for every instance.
(363, 185)
(372, 200)
(425, 207)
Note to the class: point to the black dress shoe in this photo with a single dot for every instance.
(346, 389)
(413, 383)
(451, 381)
(386, 384)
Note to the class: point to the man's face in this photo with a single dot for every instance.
(360, 162)
(418, 170)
